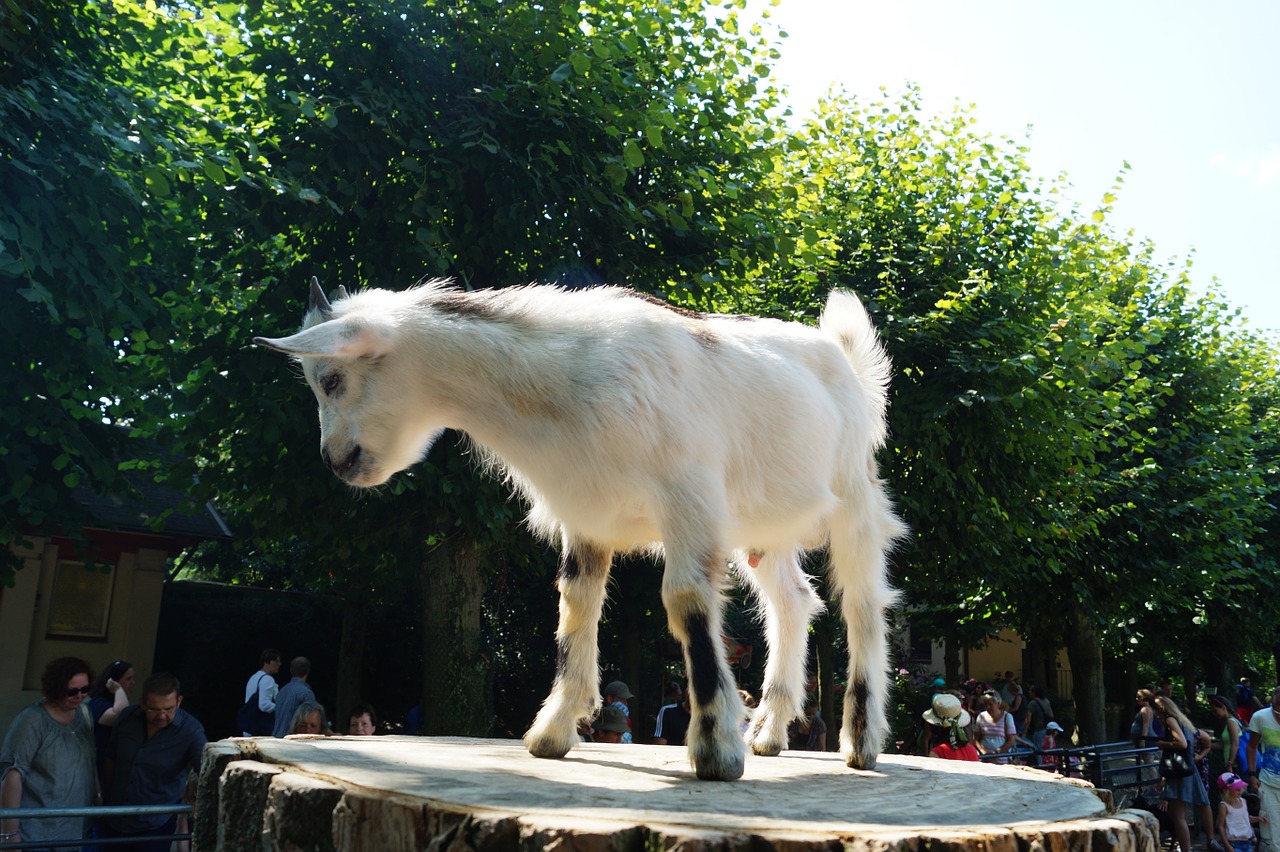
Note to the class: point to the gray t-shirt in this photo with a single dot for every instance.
(56, 764)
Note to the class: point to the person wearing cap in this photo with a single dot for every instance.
(1235, 826)
(947, 720)
(1264, 766)
(616, 695)
(611, 727)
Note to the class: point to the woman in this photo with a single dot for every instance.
(1146, 728)
(809, 732)
(1018, 708)
(309, 718)
(107, 697)
(946, 721)
(47, 757)
(1227, 751)
(1179, 791)
(996, 734)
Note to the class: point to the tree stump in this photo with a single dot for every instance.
(390, 793)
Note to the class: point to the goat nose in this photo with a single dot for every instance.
(352, 460)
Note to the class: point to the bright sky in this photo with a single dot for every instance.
(1188, 93)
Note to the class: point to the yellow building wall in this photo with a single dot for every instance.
(132, 621)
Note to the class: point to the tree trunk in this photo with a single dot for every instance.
(1128, 689)
(1190, 669)
(951, 662)
(455, 666)
(1084, 647)
(630, 613)
(355, 620)
(824, 651)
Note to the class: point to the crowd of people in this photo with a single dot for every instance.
(84, 743)
(1228, 778)
(999, 719)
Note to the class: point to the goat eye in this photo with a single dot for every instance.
(330, 383)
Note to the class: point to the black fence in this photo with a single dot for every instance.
(1120, 767)
(25, 814)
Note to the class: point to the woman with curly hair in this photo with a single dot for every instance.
(47, 757)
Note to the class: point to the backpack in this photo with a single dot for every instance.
(1242, 752)
(250, 717)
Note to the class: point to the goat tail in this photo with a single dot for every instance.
(846, 320)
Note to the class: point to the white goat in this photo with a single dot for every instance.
(630, 425)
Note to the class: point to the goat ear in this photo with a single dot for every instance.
(342, 338)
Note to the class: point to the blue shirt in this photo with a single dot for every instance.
(291, 696)
(150, 771)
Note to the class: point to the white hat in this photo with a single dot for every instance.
(1053, 726)
(946, 708)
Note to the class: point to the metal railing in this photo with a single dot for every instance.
(1121, 767)
(101, 811)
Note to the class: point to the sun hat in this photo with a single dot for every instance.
(1231, 781)
(945, 710)
(618, 688)
(612, 719)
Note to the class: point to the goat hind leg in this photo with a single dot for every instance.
(789, 604)
(575, 695)
(863, 531)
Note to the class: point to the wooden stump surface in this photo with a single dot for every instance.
(411, 792)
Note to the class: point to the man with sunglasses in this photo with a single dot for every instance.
(154, 744)
(46, 760)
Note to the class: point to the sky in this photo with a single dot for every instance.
(1187, 93)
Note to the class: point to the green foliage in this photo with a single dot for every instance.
(1069, 423)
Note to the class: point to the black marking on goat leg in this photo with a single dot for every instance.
(570, 567)
(858, 725)
(581, 558)
(704, 662)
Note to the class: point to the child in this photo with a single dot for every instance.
(1235, 826)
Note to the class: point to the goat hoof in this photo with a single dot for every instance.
(720, 769)
(853, 760)
(548, 747)
(766, 748)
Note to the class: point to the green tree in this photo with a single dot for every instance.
(562, 142)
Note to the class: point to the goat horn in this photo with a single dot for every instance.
(342, 291)
(319, 301)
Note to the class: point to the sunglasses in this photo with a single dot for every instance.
(72, 692)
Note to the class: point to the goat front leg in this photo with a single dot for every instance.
(575, 695)
(789, 603)
(694, 602)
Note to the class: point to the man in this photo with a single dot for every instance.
(1006, 688)
(673, 719)
(1264, 767)
(362, 721)
(152, 748)
(262, 686)
(292, 695)
(611, 727)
